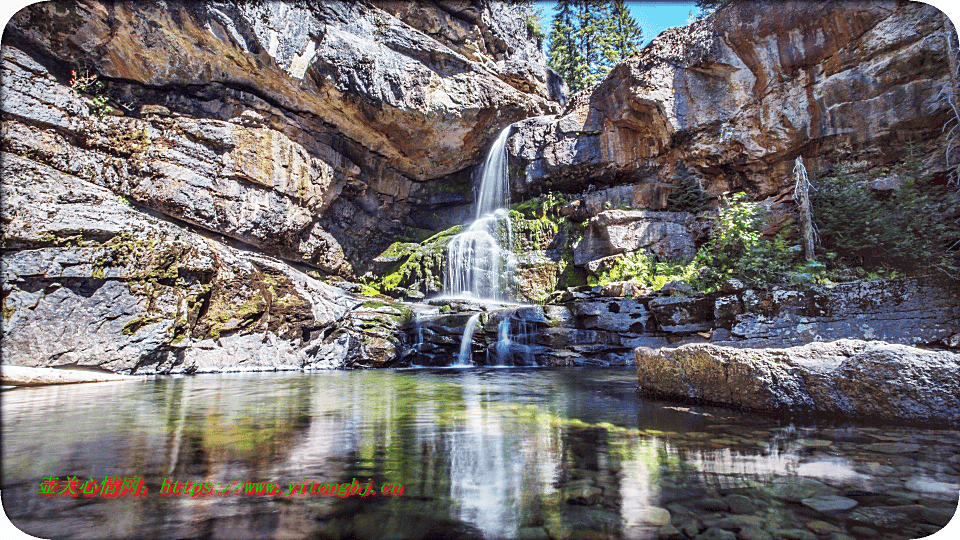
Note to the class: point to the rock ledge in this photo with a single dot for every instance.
(865, 379)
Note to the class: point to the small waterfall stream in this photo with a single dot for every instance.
(480, 260)
(466, 354)
(481, 263)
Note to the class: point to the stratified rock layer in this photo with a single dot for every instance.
(736, 97)
(869, 379)
(313, 131)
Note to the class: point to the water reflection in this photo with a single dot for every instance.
(567, 453)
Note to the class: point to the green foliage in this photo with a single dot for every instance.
(689, 196)
(737, 249)
(647, 270)
(546, 205)
(89, 83)
(625, 34)
(588, 38)
(533, 26)
(913, 229)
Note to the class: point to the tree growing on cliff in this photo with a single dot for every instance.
(588, 38)
(625, 34)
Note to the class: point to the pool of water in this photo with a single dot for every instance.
(480, 453)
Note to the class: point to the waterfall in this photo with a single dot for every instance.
(502, 348)
(513, 345)
(418, 344)
(480, 260)
(466, 357)
(495, 182)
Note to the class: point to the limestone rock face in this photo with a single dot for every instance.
(671, 235)
(89, 281)
(736, 97)
(868, 379)
(311, 131)
(398, 91)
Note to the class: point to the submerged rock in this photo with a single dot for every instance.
(847, 377)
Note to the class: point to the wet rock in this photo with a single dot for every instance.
(740, 504)
(863, 532)
(796, 489)
(714, 533)
(712, 505)
(792, 534)
(829, 503)
(656, 516)
(936, 515)
(894, 448)
(882, 517)
(854, 378)
(753, 533)
(691, 528)
(669, 532)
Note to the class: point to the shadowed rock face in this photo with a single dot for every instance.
(738, 96)
(311, 130)
(869, 379)
(240, 147)
(378, 81)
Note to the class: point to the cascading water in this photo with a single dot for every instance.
(512, 347)
(480, 260)
(466, 357)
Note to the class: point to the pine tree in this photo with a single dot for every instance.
(588, 38)
(564, 55)
(625, 34)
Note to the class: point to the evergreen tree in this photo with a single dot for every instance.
(593, 35)
(564, 55)
(623, 36)
(588, 38)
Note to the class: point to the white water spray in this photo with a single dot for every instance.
(480, 261)
(466, 357)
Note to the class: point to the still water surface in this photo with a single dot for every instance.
(481, 453)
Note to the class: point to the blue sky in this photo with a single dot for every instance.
(652, 16)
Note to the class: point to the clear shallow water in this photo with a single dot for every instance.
(496, 453)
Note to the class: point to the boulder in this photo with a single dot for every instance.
(670, 235)
(680, 314)
(862, 379)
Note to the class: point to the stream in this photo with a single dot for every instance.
(480, 453)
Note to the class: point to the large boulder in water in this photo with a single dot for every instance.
(870, 379)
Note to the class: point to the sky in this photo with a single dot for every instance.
(652, 16)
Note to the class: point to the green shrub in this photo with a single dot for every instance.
(737, 249)
(912, 229)
(533, 26)
(546, 205)
(647, 270)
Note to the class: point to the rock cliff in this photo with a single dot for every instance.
(324, 120)
(176, 175)
(736, 97)
(184, 180)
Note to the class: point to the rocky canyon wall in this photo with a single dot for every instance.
(736, 97)
(174, 173)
